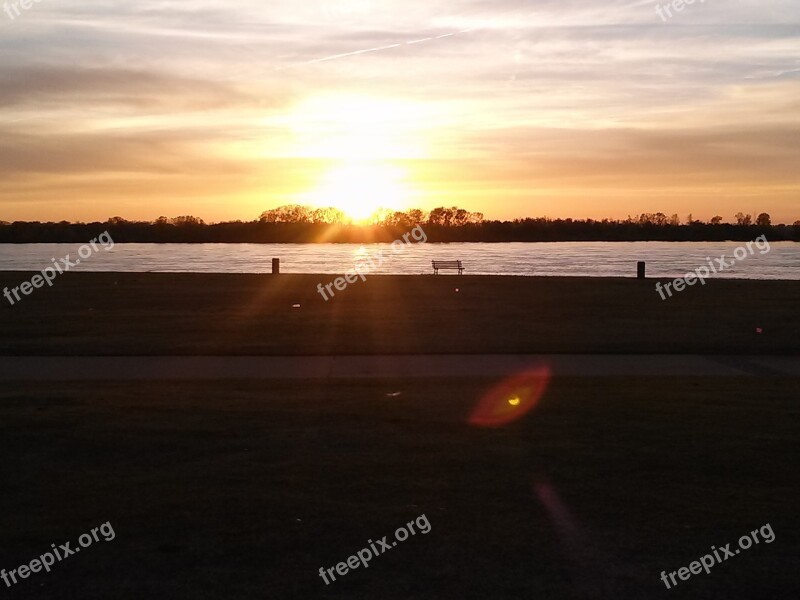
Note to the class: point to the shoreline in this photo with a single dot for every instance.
(466, 276)
(431, 242)
(328, 274)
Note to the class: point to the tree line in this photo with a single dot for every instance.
(446, 217)
(301, 224)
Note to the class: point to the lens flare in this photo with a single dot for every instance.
(511, 399)
(559, 513)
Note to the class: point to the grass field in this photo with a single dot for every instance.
(245, 490)
(164, 314)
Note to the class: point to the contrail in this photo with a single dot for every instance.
(378, 49)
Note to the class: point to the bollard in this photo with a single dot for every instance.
(640, 269)
(276, 266)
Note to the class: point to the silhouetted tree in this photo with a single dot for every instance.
(439, 216)
(658, 219)
(328, 215)
(416, 216)
(716, 220)
(290, 213)
(453, 217)
(743, 219)
(764, 220)
(396, 218)
(187, 221)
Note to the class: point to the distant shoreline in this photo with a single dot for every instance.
(342, 243)
(488, 232)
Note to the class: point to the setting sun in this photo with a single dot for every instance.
(360, 138)
(360, 189)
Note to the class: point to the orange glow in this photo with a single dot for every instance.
(366, 142)
(511, 399)
(360, 189)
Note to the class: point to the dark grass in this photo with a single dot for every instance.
(168, 314)
(243, 490)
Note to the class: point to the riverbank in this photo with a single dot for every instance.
(96, 314)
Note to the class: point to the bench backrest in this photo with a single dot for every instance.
(446, 264)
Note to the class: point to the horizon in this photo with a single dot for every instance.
(379, 219)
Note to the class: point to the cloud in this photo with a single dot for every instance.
(68, 85)
(556, 95)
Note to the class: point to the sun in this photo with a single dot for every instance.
(362, 146)
(362, 188)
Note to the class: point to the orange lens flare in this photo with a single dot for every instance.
(511, 399)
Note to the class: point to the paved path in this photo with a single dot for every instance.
(53, 368)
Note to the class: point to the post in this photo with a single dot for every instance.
(276, 266)
(640, 269)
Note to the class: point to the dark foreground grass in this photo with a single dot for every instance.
(168, 314)
(244, 490)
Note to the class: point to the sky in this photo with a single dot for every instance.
(559, 108)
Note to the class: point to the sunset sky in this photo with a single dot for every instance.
(565, 108)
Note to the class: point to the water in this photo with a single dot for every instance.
(592, 259)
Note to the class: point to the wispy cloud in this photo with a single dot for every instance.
(600, 106)
(376, 49)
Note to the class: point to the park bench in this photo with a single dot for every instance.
(447, 264)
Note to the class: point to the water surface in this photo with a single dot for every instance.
(592, 259)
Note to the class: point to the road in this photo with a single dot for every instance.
(120, 368)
